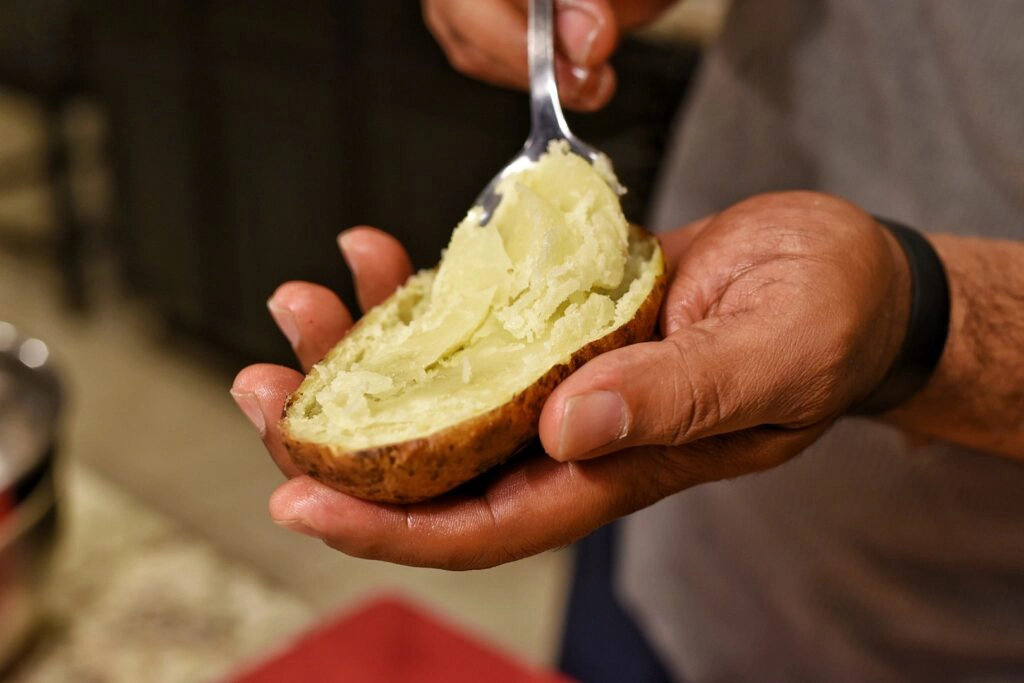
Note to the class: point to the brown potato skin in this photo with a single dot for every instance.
(415, 470)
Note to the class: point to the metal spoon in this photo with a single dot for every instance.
(546, 118)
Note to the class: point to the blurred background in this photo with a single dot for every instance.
(163, 167)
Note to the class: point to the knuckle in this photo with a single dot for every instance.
(475, 557)
(440, 25)
(819, 388)
(674, 471)
(664, 472)
(432, 17)
(460, 56)
(463, 61)
(463, 563)
(344, 548)
(696, 400)
(366, 547)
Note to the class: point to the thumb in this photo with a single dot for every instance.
(701, 381)
(587, 31)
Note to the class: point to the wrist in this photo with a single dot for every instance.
(921, 320)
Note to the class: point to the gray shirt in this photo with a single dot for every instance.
(867, 557)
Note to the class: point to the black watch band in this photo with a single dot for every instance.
(927, 325)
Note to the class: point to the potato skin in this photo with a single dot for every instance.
(418, 469)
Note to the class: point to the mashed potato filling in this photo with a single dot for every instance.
(553, 270)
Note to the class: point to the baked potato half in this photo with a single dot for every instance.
(447, 378)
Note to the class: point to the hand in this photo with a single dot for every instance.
(486, 39)
(783, 311)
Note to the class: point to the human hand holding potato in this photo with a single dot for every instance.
(782, 312)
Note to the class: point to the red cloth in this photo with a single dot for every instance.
(389, 641)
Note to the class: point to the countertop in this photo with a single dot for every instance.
(134, 597)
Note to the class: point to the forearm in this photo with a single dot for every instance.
(976, 396)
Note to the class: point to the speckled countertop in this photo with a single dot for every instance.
(135, 598)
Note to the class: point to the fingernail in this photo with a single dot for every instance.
(250, 405)
(580, 73)
(285, 320)
(296, 525)
(590, 421)
(578, 26)
(586, 88)
(571, 79)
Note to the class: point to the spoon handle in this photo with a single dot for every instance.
(548, 122)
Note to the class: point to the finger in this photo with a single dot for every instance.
(311, 317)
(510, 521)
(538, 504)
(710, 378)
(260, 392)
(485, 40)
(585, 90)
(586, 30)
(378, 262)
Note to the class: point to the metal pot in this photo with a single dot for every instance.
(29, 407)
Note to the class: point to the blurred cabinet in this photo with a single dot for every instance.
(246, 135)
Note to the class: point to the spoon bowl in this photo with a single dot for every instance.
(547, 122)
